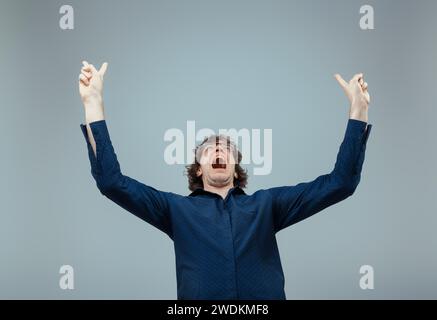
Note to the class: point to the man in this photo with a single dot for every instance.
(224, 240)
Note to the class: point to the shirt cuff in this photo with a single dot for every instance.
(99, 130)
(101, 137)
(358, 129)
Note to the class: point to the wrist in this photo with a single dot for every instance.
(92, 102)
(94, 111)
(359, 112)
(359, 103)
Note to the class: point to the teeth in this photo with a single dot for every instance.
(219, 166)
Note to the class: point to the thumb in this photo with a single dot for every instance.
(103, 69)
(341, 81)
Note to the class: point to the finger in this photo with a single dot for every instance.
(357, 77)
(88, 67)
(365, 86)
(83, 79)
(361, 81)
(103, 68)
(87, 74)
(340, 80)
(93, 69)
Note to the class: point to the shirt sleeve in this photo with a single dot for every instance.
(145, 202)
(292, 204)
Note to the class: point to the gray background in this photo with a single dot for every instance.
(224, 64)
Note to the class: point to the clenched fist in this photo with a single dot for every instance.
(357, 92)
(91, 83)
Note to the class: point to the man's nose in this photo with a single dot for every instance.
(219, 150)
(220, 154)
(221, 146)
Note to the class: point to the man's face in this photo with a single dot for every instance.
(217, 158)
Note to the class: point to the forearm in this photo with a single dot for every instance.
(94, 111)
(350, 157)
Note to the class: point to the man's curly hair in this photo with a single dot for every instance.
(195, 182)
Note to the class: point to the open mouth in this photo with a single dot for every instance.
(219, 163)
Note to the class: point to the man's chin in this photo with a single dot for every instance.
(220, 179)
(219, 174)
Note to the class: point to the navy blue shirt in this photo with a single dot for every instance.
(226, 248)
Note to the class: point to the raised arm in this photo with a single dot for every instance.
(91, 93)
(144, 201)
(292, 204)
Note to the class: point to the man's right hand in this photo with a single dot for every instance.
(91, 84)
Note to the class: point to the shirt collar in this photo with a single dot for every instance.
(198, 191)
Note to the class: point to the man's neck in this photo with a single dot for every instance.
(222, 191)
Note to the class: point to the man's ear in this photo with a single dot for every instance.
(199, 172)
